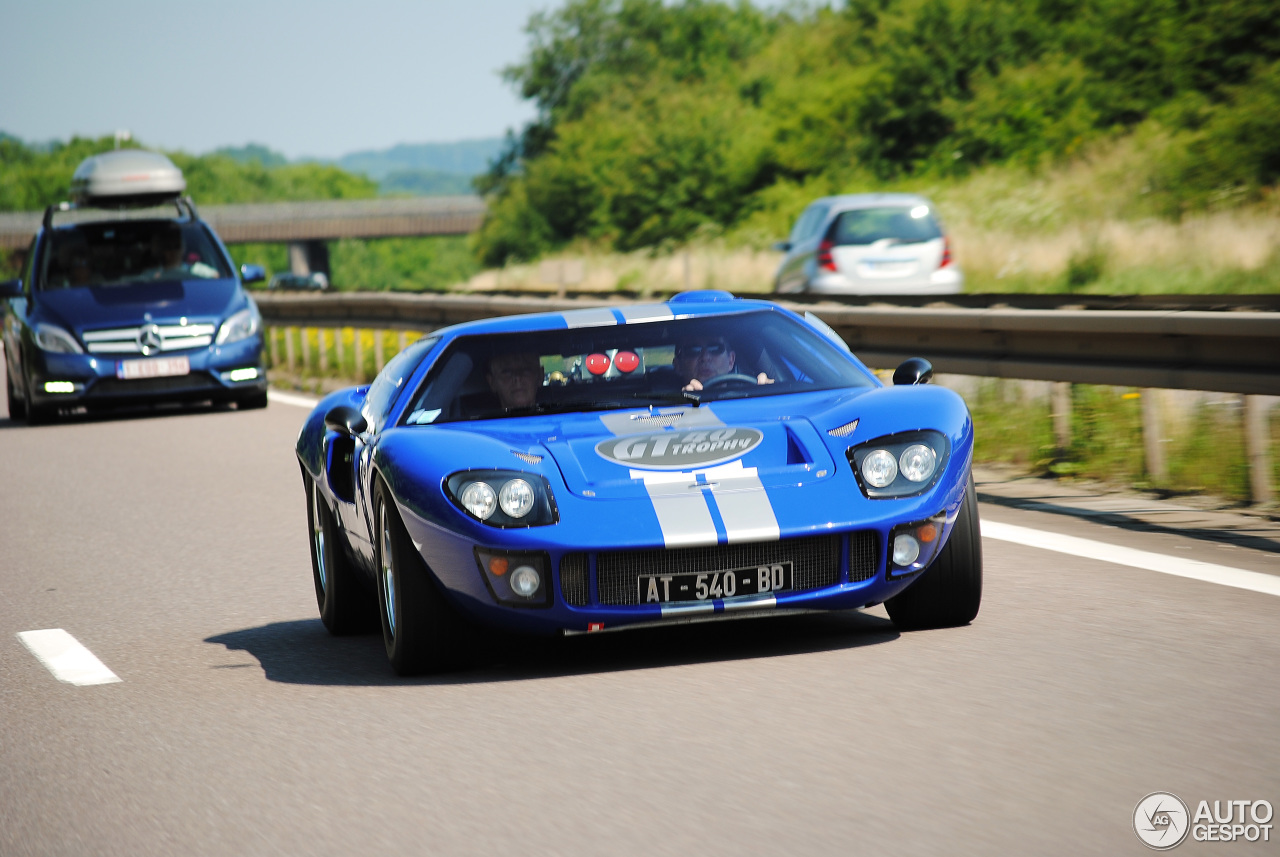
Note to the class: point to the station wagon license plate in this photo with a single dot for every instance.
(706, 586)
(162, 367)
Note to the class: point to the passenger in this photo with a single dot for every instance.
(166, 253)
(515, 379)
(701, 358)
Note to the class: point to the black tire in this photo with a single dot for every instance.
(346, 604)
(37, 415)
(421, 631)
(252, 402)
(949, 591)
(17, 407)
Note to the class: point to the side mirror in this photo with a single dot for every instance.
(252, 274)
(345, 419)
(782, 246)
(913, 370)
(11, 289)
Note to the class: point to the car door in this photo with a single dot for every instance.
(379, 404)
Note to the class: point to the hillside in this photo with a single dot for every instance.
(662, 122)
(466, 158)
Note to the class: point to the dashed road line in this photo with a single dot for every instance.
(292, 399)
(64, 656)
(1254, 581)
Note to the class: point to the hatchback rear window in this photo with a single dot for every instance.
(900, 225)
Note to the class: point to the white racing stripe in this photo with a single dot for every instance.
(292, 399)
(1103, 552)
(64, 656)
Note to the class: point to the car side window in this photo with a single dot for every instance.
(808, 223)
(386, 387)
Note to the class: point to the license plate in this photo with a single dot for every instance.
(705, 586)
(162, 367)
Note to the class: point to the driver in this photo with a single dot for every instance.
(515, 379)
(701, 358)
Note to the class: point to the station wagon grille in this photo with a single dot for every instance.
(128, 340)
(815, 560)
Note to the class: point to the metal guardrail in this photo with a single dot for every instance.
(1230, 352)
(308, 221)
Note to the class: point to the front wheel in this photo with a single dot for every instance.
(950, 590)
(17, 407)
(344, 602)
(420, 630)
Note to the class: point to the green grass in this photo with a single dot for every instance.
(1204, 453)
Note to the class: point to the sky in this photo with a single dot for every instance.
(308, 78)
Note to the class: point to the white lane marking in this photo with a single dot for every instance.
(1223, 575)
(64, 656)
(291, 399)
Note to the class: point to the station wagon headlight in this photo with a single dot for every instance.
(503, 498)
(240, 325)
(50, 337)
(899, 465)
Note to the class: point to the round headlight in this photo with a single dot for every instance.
(525, 581)
(906, 550)
(918, 462)
(516, 498)
(478, 499)
(879, 468)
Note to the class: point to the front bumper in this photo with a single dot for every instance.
(854, 574)
(91, 381)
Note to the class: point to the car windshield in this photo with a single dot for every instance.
(893, 225)
(734, 356)
(127, 252)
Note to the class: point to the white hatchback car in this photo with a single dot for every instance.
(869, 244)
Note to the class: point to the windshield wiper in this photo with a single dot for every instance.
(671, 397)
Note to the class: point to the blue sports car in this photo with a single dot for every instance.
(601, 469)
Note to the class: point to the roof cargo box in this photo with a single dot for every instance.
(126, 177)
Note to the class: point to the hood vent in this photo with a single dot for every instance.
(659, 420)
(844, 430)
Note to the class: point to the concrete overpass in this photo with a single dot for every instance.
(306, 226)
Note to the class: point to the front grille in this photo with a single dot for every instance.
(815, 563)
(194, 382)
(172, 337)
(864, 556)
(573, 579)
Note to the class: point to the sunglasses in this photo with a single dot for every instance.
(714, 350)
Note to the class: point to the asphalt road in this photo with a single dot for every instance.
(173, 546)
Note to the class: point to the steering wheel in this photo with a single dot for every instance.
(727, 379)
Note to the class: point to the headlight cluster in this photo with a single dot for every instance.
(913, 546)
(503, 498)
(54, 339)
(899, 465)
(517, 578)
(240, 325)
